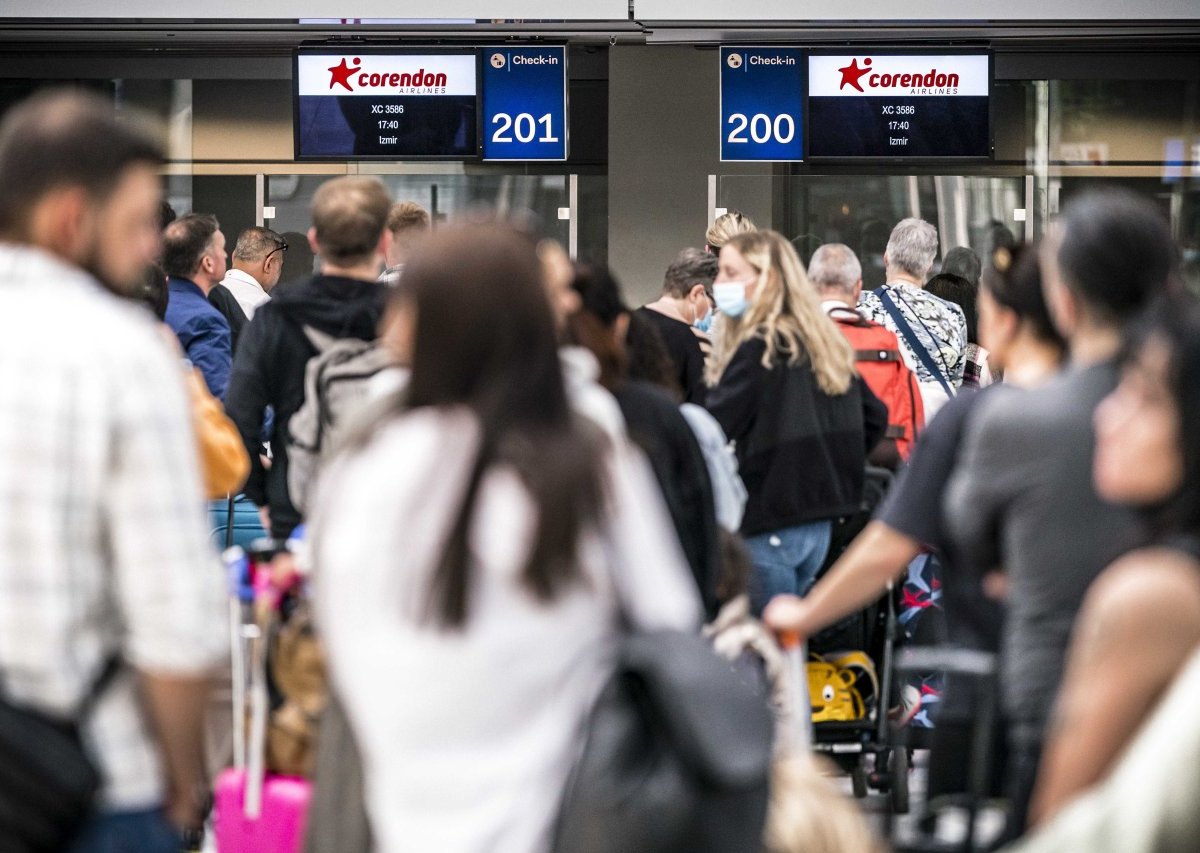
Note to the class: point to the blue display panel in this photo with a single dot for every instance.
(762, 103)
(524, 103)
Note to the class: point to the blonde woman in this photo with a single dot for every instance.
(727, 226)
(786, 392)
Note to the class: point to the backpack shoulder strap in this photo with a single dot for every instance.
(918, 348)
(321, 340)
(851, 319)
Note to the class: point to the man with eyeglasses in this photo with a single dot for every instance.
(683, 315)
(257, 264)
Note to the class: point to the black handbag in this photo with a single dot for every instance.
(48, 783)
(677, 756)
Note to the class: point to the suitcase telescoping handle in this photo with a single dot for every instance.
(249, 629)
(256, 740)
(795, 651)
(237, 569)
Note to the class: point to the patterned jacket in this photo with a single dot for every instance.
(939, 325)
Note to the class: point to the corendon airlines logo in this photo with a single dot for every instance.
(417, 82)
(851, 74)
(921, 83)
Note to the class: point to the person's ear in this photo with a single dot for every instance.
(1010, 323)
(1060, 301)
(857, 289)
(385, 243)
(64, 221)
(621, 330)
(312, 240)
(1064, 309)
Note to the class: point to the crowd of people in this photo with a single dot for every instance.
(535, 470)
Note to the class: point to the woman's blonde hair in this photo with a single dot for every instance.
(726, 227)
(808, 814)
(786, 313)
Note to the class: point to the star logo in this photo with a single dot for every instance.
(851, 74)
(340, 73)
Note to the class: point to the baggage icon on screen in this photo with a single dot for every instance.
(734, 61)
(497, 60)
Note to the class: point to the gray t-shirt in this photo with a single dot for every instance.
(1022, 500)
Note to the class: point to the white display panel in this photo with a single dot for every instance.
(914, 10)
(391, 10)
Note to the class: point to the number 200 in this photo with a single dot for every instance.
(762, 128)
(524, 126)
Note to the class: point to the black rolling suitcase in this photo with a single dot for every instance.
(976, 669)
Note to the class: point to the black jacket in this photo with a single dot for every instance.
(686, 352)
(225, 302)
(802, 453)
(658, 427)
(268, 370)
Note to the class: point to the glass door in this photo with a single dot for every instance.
(860, 210)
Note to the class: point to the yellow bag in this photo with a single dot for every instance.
(833, 686)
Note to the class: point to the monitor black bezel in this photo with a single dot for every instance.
(385, 50)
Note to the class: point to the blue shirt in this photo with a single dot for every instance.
(202, 331)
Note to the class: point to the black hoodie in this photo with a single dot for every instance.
(268, 370)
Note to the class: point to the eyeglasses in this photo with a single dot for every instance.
(282, 247)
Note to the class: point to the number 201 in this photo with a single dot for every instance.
(762, 128)
(524, 126)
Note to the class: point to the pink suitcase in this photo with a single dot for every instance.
(279, 826)
(253, 811)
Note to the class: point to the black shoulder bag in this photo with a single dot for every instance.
(677, 755)
(48, 783)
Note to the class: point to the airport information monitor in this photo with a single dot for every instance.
(762, 103)
(885, 105)
(791, 104)
(501, 103)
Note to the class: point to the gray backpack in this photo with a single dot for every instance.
(337, 384)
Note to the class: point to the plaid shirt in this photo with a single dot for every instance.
(103, 540)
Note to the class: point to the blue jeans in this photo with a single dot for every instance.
(787, 560)
(129, 832)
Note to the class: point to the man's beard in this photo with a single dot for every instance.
(91, 264)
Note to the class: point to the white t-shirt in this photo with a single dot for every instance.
(468, 736)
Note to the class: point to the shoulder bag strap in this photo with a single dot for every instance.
(914, 343)
(103, 680)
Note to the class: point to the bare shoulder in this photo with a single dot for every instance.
(1148, 586)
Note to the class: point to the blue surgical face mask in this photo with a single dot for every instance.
(704, 324)
(731, 298)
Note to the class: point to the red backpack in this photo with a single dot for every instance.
(877, 352)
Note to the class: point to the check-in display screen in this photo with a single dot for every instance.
(394, 105)
(762, 103)
(525, 103)
(885, 105)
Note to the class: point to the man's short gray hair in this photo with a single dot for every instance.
(834, 267)
(690, 268)
(256, 243)
(912, 247)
